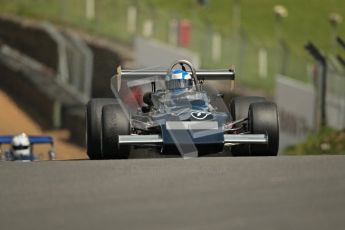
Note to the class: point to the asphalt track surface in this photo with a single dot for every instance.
(204, 193)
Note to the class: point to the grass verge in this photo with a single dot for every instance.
(326, 142)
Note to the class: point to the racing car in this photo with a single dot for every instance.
(22, 147)
(176, 111)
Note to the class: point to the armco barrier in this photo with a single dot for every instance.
(29, 38)
(34, 86)
(27, 77)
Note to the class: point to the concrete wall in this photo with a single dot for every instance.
(297, 98)
(295, 102)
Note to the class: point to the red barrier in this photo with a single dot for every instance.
(184, 33)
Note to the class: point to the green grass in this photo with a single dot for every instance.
(327, 141)
(307, 20)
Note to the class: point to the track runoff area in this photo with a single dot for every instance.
(200, 193)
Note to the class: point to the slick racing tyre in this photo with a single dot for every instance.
(94, 126)
(239, 107)
(114, 123)
(263, 119)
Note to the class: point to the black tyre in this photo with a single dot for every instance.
(94, 126)
(114, 123)
(239, 107)
(263, 118)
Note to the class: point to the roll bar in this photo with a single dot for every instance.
(204, 75)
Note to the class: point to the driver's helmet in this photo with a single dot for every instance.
(21, 147)
(179, 80)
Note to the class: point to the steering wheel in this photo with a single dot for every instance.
(187, 63)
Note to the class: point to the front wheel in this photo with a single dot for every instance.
(114, 123)
(263, 118)
(94, 126)
(239, 107)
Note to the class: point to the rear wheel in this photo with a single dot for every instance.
(114, 123)
(239, 108)
(94, 126)
(263, 118)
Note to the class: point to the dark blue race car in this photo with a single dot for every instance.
(176, 110)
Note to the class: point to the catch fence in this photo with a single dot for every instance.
(256, 64)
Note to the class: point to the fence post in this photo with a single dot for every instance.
(236, 17)
(57, 115)
(90, 9)
(323, 88)
(216, 47)
(173, 26)
(342, 45)
(322, 83)
(147, 28)
(132, 19)
(262, 63)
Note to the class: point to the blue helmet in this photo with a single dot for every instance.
(179, 79)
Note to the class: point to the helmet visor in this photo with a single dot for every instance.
(20, 147)
(179, 84)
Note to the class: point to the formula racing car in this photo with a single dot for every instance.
(21, 147)
(179, 113)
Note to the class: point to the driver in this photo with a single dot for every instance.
(179, 81)
(21, 147)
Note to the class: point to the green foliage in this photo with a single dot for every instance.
(327, 141)
(307, 20)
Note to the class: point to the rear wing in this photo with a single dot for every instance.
(41, 140)
(33, 139)
(202, 75)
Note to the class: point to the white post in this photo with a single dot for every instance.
(236, 17)
(216, 47)
(90, 9)
(310, 72)
(132, 19)
(263, 63)
(148, 28)
(173, 32)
